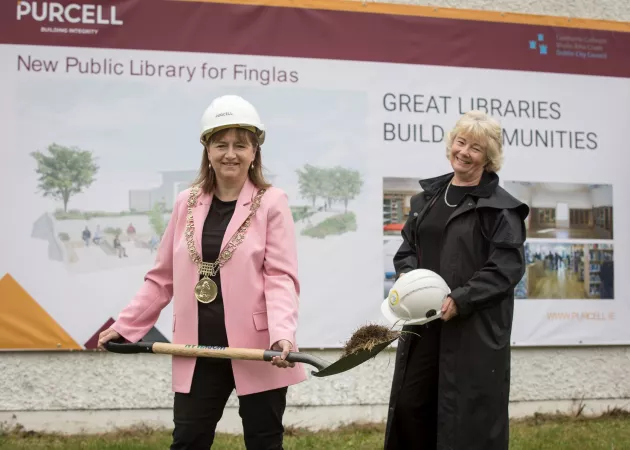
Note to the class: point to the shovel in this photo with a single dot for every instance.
(324, 368)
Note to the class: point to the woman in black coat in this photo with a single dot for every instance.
(451, 383)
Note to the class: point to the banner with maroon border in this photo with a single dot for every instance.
(100, 113)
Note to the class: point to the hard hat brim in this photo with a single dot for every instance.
(397, 321)
(258, 132)
(388, 314)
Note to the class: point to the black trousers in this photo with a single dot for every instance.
(197, 413)
(414, 423)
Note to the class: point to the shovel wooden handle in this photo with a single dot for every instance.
(208, 351)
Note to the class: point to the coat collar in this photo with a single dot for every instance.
(241, 211)
(244, 197)
(486, 187)
(488, 193)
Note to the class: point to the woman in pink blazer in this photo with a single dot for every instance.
(228, 258)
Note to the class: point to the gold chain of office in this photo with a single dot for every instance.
(206, 290)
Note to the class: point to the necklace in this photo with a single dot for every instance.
(446, 194)
(206, 290)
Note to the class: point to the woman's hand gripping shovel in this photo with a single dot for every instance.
(364, 344)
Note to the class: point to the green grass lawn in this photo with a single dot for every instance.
(609, 432)
(335, 225)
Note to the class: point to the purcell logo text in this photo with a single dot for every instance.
(85, 14)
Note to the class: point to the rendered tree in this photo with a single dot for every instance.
(347, 185)
(156, 218)
(333, 185)
(310, 182)
(66, 171)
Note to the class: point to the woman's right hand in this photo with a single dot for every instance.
(107, 335)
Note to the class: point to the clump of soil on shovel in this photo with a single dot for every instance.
(367, 337)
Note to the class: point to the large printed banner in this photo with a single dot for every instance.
(99, 119)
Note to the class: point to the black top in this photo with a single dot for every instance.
(211, 315)
(432, 226)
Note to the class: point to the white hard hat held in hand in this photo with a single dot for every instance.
(416, 298)
(231, 111)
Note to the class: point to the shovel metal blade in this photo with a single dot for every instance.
(351, 361)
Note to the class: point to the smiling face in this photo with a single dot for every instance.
(474, 145)
(231, 154)
(468, 157)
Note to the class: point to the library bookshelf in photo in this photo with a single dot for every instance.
(397, 193)
(566, 210)
(568, 270)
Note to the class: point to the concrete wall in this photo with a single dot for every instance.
(97, 391)
(70, 392)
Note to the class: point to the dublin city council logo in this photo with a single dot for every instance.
(539, 44)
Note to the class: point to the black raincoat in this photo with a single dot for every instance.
(482, 260)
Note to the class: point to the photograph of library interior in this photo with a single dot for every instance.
(566, 210)
(555, 270)
(567, 271)
(397, 193)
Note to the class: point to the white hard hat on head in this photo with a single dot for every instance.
(415, 298)
(231, 111)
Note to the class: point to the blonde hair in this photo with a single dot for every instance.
(207, 180)
(487, 131)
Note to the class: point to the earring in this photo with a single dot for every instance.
(252, 166)
(210, 166)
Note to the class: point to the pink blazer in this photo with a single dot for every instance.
(260, 289)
